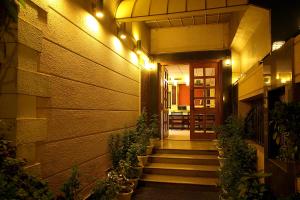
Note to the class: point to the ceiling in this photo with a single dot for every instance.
(170, 13)
(178, 72)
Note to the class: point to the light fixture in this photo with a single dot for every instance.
(97, 7)
(227, 61)
(277, 45)
(138, 48)
(121, 31)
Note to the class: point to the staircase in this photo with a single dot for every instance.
(186, 168)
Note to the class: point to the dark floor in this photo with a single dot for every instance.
(154, 193)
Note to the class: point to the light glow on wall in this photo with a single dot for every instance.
(92, 23)
(134, 58)
(117, 44)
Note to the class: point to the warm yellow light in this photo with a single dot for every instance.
(117, 44)
(134, 58)
(99, 14)
(277, 76)
(175, 82)
(228, 62)
(283, 81)
(92, 23)
(139, 52)
(187, 81)
(123, 36)
(277, 45)
(150, 66)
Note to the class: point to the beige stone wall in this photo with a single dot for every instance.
(74, 85)
(252, 41)
(252, 83)
(190, 38)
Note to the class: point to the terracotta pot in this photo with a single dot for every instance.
(125, 195)
(143, 160)
(149, 150)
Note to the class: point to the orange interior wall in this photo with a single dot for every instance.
(184, 95)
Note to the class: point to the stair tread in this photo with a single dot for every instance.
(212, 148)
(184, 156)
(183, 166)
(180, 179)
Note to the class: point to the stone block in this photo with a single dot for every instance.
(30, 130)
(33, 83)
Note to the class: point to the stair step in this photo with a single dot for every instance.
(184, 159)
(171, 181)
(182, 170)
(186, 151)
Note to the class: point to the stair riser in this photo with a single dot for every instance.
(180, 172)
(184, 161)
(182, 151)
(179, 186)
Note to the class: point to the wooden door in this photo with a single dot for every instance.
(163, 101)
(205, 99)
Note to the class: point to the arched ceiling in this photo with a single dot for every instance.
(167, 13)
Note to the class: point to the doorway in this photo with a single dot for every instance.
(192, 103)
(179, 101)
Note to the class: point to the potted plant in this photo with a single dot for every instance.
(232, 127)
(132, 174)
(15, 182)
(141, 150)
(284, 123)
(132, 158)
(153, 130)
(115, 150)
(106, 189)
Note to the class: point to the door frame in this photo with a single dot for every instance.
(163, 111)
(190, 62)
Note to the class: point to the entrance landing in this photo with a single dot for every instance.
(188, 145)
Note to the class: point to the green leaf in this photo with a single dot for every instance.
(22, 2)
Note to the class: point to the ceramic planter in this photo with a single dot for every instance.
(125, 195)
(143, 160)
(221, 161)
(149, 149)
(221, 151)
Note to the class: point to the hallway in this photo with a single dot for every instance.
(180, 169)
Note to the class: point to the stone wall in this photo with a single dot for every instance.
(73, 85)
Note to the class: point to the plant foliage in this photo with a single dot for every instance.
(284, 123)
(71, 187)
(15, 182)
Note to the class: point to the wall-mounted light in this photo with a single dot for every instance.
(227, 62)
(121, 31)
(138, 48)
(277, 45)
(97, 7)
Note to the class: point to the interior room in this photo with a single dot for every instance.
(179, 101)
